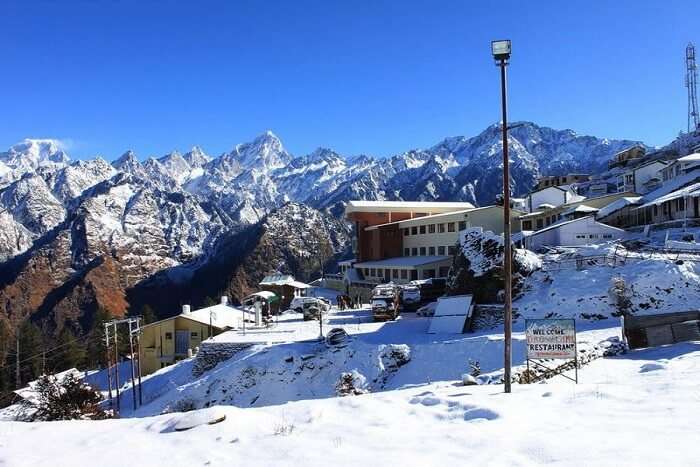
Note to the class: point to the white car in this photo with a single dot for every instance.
(298, 303)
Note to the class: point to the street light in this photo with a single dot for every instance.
(501, 53)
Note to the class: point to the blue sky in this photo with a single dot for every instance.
(373, 77)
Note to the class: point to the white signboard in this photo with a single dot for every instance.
(550, 338)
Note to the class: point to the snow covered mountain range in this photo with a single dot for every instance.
(177, 204)
(81, 235)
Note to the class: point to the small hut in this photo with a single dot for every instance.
(285, 287)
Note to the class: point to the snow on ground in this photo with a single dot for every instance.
(637, 409)
(658, 285)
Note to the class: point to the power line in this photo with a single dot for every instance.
(87, 338)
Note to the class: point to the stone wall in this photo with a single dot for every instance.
(211, 354)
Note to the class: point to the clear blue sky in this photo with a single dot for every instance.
(373, 77)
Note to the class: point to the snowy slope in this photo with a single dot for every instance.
(645, 395)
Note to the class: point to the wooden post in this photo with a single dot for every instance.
(18, 376)
(116, 366)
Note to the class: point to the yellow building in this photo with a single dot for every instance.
(172, 339)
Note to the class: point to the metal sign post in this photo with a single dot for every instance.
(551, 339)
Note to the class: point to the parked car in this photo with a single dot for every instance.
(299, 302)
(409, 297)
(312, 310)
(384, 309)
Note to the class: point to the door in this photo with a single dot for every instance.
(182, 342)
(696, 207)
(387, 275)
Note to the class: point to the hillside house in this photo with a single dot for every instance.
(678, 206)
(285, 287)
(582, 231)
(680, 166)
(545, 217)
(550, 197)
(546, 181)
(623, 157)
(172, 339)
(642, 178)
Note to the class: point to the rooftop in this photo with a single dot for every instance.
(691, 190)
(405, 206)
(403, 262)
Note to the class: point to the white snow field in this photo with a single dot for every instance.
(639, 409)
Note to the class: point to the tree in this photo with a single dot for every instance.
(208, 301)
(68, 398)
(96, 355)
(69, 353)
(147, 314)
(31, 352)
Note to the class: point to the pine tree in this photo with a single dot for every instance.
(31, 348)
(69, 353)
(96, 356)
(147, 315)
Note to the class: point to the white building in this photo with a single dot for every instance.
(680, 167)
(642, 178)
(551, 197)
(583, 231)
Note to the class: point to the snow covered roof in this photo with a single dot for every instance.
(690, 158)
(403, 262)
(221, 316)
(617, 205)
(277, 279)
(428, 206)
(673, 185)
(691, 190)
(266, 294)
(580, 208)
(563, 223)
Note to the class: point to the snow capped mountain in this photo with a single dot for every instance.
(175, 205)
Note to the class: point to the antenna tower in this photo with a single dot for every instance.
(691, 81)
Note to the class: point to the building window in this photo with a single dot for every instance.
(451, 250)
(431, 250)
(450, 226)
(407, 252)
(431, 228)
(422, 229)
(441, 228)
(540, 224)
(414, 230)
(429, 273)
(414, 251)
(194, 335)
(404, 274)
(422, 251)
(168, 336)
(462, 225)
(527, 225)
(656, 210)
(373, 272)
(395, 273)
(441, 250)
(407, 231)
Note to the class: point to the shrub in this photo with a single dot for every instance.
(67, 399)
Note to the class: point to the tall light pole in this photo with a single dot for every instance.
(501, 53)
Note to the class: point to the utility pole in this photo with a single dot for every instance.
(691, 82)
(501, 52)
(18, 377)
(138, 354)
(109, 366)
(116, 366)
(133, 369)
